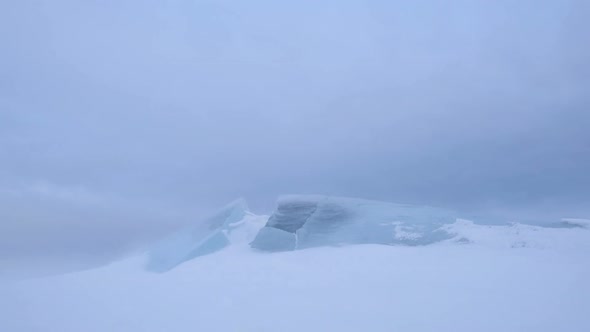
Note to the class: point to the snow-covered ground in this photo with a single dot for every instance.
(486, 278)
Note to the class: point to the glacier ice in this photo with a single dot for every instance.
(310, 221)
(201, 239)
(301, 222)
(275, 239)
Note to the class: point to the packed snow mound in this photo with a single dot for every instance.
(573, 222)
(310, 221)
(518, 235)
(231, 224)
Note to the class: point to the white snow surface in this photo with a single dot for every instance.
(486, 278)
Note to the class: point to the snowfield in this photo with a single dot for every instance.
(485, 278)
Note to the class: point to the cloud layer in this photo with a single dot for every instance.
(190, 104)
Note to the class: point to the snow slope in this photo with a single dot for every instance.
(486, 278)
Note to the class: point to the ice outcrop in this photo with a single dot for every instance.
(206, 237)
(310, 221)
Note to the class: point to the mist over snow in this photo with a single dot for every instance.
(462, 126)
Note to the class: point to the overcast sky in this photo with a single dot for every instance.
(122, 119)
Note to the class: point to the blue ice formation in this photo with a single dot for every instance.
(203, 238)
(310, 221)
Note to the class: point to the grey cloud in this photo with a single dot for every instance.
(469, 105)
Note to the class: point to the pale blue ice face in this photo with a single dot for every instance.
(204, 237)
(301, 222)
(307, 221)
